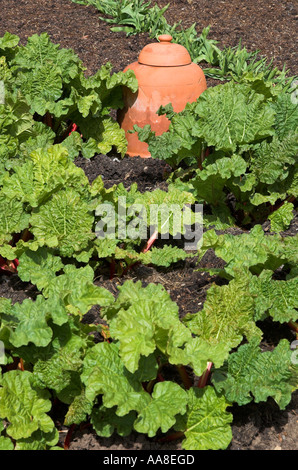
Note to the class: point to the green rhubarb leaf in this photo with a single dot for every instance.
(56, 367)
(167, 255)
(40, 51)
(15, 116)
(8, 41)
(232, 115)
(102, 135)
(196, 352)
(271, 170)
(145, 320)
(42, 85)
(27, 322)
(131, 293)
(39, 267)
(179, 142)
(47, 171)
(282, 217)
(164, 256)
(208, 183)
(105, 247)
(76, 289)
(40, 136)
(276, 298)
(13, 218)
(254, 250)
(168, 211)
(24, 405)
(206, 423)
(251, 374)
(286, 117)
(227, 316)
(105, 422)
(105, 374)
(39, 441)
(64, 222)
(78, 410)
(160, 412)
(43, 68)
(5, 442)
(143, 323)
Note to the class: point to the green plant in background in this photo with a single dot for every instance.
(139, 16)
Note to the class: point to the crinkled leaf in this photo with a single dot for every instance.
(105, 422)
(47, 171)
(5, 442)
(79, 408)
(29, 320)
(13, 218)
(282, 217)
(286, 117)
(57, 366)
(39, 441)
(142, 325)
(24, 405)
(105, 374)
(251, 374)
(276, 298)
(39, 267)
(206, 424)
(76, 288)
(254, 250)
(227, 316)
(158, 256)
(8, 41)
(65, 222)
(232, 115)
(160, 412)
(272, 161)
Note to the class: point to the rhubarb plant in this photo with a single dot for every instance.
(48, 95)
(121, 382)
(48, 202)
(250, 130)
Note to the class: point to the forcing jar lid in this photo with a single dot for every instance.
(164, 53)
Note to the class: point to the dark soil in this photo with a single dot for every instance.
(269, 26)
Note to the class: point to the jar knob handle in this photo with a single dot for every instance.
(165, 38)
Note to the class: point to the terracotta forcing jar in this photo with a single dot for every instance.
(165, 75)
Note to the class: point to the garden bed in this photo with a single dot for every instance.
(268, 26)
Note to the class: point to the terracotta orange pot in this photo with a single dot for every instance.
(165, 75)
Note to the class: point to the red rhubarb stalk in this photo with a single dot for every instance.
(205, 376)
(150, 242)
(9, 266)
(69, 436)
(73, 128)
(172, 437)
